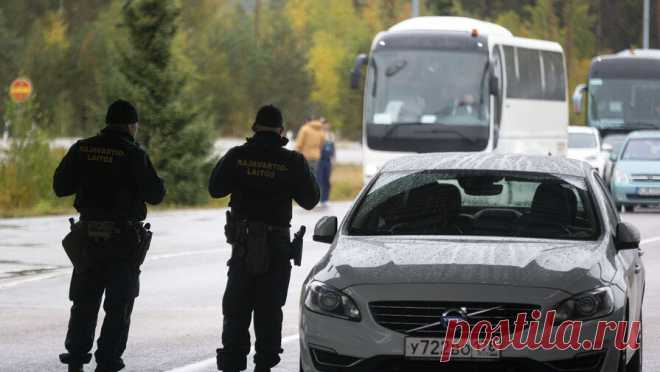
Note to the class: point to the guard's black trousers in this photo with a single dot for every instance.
(264, 295)
(120, 283)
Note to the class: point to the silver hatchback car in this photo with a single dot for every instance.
(472, 237)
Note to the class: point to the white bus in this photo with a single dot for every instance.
(441, 84)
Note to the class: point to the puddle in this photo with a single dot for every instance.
(26, 245)
(10, 227)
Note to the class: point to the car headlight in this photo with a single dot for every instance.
(593, 304)
(323, 299)
(620, 176)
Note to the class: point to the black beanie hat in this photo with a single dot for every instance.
(121, 112)
(269, 116)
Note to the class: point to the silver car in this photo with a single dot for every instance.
(475, 237)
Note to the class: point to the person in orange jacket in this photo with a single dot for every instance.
(309, 142)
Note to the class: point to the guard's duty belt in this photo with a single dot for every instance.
(91, 241)
(249, 240)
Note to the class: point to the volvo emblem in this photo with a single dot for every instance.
(458, 314)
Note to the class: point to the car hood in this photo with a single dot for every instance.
(639, 166)
(571, 266)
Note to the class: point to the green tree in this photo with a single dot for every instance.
(151, 75)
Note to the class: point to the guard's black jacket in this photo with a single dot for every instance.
(111, 176)
(263, 178)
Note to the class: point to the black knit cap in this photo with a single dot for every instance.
(269, 116)
(121, 112)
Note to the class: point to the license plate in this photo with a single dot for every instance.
(423, 347)
(649, 191)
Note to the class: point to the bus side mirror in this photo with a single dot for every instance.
(356, 73)
(494, 85)
(578, 94)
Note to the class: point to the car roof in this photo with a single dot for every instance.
(645, 134)
(489, 161)
(580, 129)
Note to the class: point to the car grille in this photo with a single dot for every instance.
(403, 316)
(645, 177)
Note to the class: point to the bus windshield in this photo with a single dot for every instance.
(427, 100)
(618, 103)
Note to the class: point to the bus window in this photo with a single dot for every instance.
(512, 85)
(553, 67)
(527, 79)
(497, 70)
(529, 64)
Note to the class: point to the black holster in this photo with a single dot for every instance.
(76, 245)
(145, 242)
(296, 250)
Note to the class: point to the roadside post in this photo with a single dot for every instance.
(20, 91)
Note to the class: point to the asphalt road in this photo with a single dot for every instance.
(176, 322)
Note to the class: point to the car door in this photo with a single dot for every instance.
(629, 259)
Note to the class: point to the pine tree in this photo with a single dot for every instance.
(150, 76)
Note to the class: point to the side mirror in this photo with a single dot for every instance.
(613, 156)
(326, 229)
(627, 236)
(606, 147)
(494, 85)
(577, 98)
(356, 73)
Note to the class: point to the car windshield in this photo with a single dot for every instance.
(480, 203)
(581, 141)
(642, 149)
(615, 140)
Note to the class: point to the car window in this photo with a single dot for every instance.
(642, 149)
(581, 141)
(610, 205)
(476, 203)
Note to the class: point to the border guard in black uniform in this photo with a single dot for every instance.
(112, 178)
(262, 178)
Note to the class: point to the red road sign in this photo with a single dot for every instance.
(20, 90)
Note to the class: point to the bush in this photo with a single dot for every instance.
(346, 181)
(26, 171)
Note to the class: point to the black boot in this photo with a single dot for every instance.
(75, 368)
(261, 369)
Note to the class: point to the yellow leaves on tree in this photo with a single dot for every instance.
(55, 31)
(325, 58)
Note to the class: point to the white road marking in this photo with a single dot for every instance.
(67, 271)
(35, 278)
(650, 240)
(211, 362)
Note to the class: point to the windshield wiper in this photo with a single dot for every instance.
(395, 68)
(642, 124)
(463, 136)
(396, 126)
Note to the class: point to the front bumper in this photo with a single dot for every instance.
(334, 345)
(629, 193)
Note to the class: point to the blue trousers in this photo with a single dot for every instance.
(323, 172)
